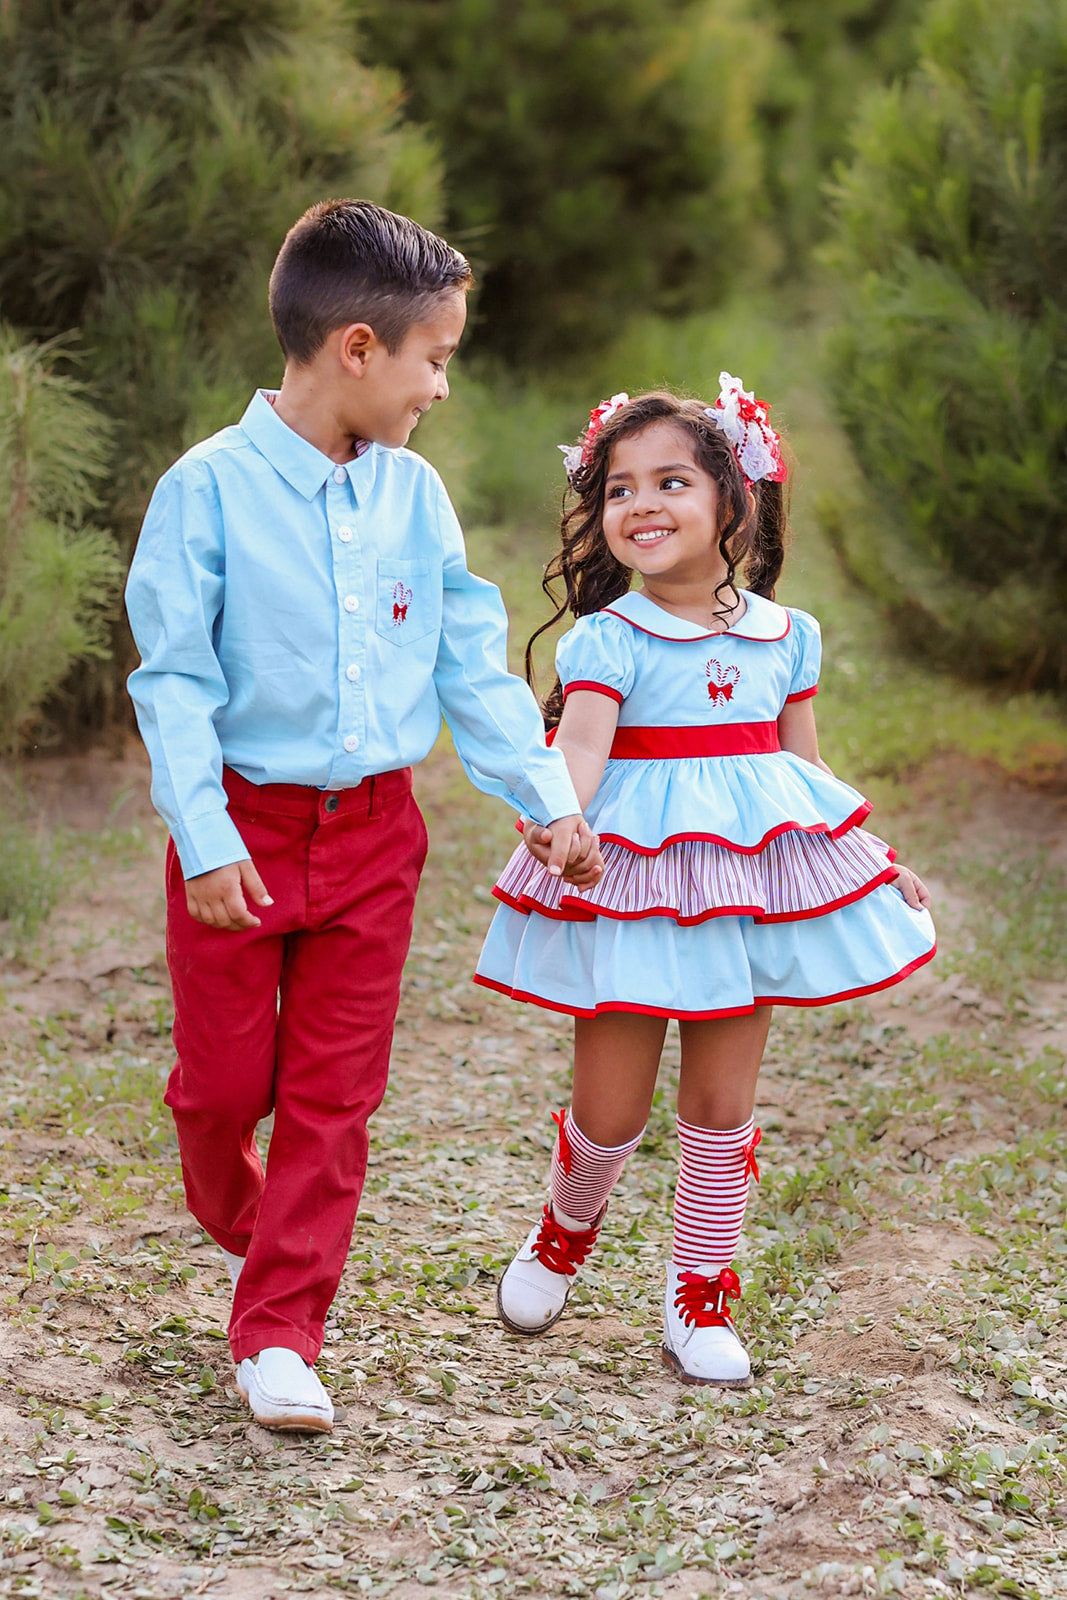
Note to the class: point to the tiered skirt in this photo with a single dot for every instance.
(729, 883)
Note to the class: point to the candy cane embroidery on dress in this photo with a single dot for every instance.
(722, 681)
(401, 601)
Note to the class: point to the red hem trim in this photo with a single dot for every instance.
(707, 1016)
(527, 907)
(802, 694)
(853, 821)
(593, 688)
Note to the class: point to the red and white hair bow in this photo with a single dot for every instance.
(577, 456)
(744, 421)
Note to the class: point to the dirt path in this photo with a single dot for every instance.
(904, 1271)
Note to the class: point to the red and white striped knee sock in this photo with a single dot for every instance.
(583, 1173)
(709, 1203)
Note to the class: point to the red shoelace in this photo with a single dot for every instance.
(559, 1250)
(702, 1301)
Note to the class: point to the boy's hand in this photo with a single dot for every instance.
(912, 888)
(218, 898)
(568, 848)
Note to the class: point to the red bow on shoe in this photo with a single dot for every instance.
(702, 1301)
(749, 1152)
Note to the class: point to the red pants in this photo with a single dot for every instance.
(294, 1017)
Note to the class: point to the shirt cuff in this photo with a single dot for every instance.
(208, 842)
(551, 800)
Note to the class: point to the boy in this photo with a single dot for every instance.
(304, 613)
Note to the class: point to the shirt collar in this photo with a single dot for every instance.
(762, 619)
(298, 461)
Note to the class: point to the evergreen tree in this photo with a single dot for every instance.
(830, 53)
(155, 152)
(57, 573)
(601, 155)
(950, 366)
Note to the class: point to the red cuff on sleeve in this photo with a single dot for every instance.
(802, 694)
(594, 688)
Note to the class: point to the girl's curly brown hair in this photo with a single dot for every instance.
(751, 538)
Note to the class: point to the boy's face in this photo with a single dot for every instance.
(398, 388)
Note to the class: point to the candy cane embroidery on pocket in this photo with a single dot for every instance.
(401, 601)
(722, 681)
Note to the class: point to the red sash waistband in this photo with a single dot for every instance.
(725, 739)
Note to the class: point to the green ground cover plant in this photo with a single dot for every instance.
(908, 1426)
(907, 1432)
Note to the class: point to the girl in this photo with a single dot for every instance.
(735, 875)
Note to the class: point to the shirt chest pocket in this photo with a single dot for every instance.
(409, 604)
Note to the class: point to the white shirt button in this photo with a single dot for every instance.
(339, 474)
(351, 743)
(351, 602)
(352, 673)
(345, 534)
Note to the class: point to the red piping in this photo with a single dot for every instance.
(706, 1016)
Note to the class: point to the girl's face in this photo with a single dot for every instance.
(661, 510)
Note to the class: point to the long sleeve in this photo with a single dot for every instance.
(494, 719)
(174, 599)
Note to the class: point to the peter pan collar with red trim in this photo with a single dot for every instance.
(761, 619)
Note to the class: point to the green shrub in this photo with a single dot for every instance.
(57, 575)
(31, 881)
(831, 52)
(154, 157)
(602, 156)
(950, 364)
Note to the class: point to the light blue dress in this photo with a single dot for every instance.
(736, 874)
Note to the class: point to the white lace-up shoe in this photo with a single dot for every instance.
(533, 1291)
(700, 1343)
(284, 1392)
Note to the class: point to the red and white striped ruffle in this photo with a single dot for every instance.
(796, 875)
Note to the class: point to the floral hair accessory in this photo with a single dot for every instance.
(578, 456)
(744, 421)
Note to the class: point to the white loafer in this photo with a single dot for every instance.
(700, 1343)
(533, 1291)
(284, 1392)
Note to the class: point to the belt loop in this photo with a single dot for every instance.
(374, 809)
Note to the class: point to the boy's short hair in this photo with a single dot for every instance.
(348, 261)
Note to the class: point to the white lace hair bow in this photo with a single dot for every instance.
(745, 422)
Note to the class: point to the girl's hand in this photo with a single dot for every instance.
(585, 864)
(912, 888)
(568, 848)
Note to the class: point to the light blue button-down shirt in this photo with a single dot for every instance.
(303, 622)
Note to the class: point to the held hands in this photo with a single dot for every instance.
(568, 848)
(912, 888)
(219, 898)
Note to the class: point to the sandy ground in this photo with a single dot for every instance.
(907, 1428)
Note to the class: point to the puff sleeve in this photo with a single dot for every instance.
(597, 654)
(807, 656)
